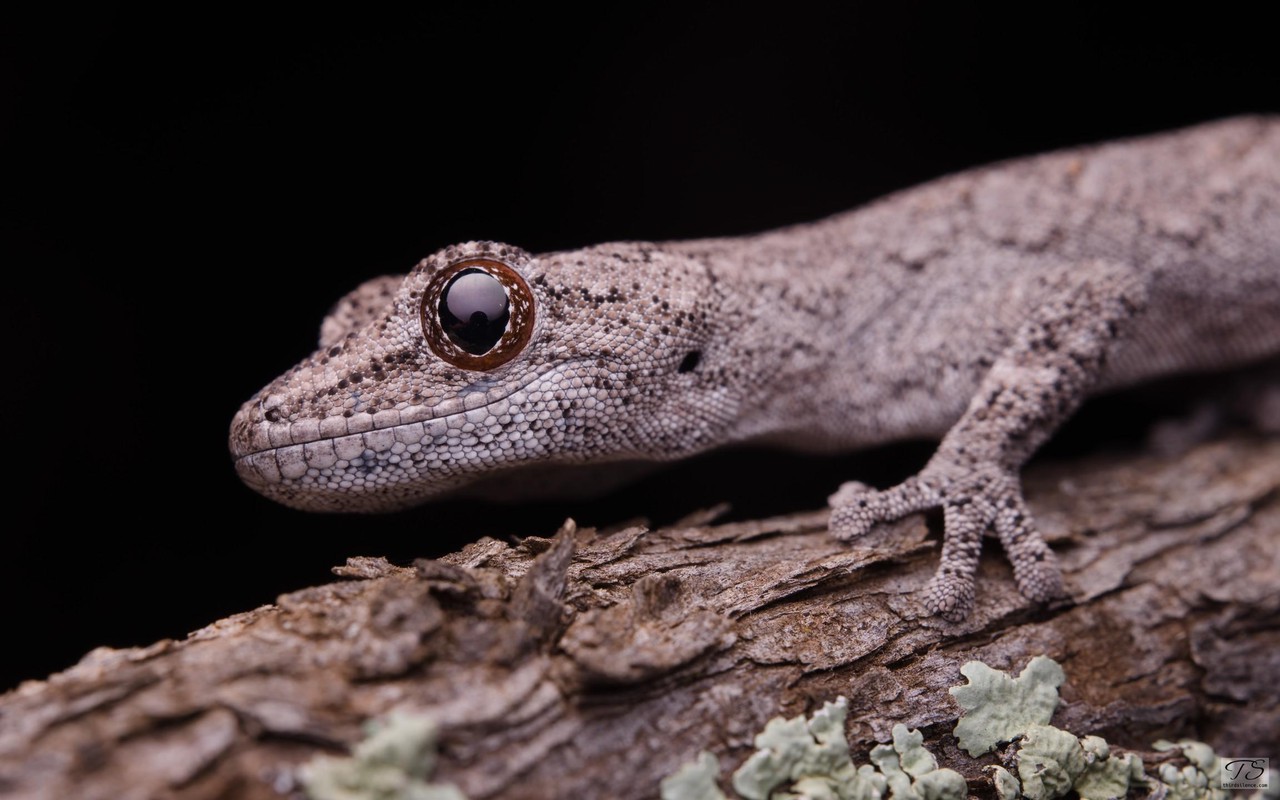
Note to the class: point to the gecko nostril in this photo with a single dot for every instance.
(690, 362)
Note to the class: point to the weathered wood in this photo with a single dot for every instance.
(592, 664)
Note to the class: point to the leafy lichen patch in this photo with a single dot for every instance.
(997, 707)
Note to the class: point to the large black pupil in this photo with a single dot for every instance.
(474, 311)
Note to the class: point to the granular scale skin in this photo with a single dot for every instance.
(980, 309)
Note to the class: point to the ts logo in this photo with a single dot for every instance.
(1245, 769)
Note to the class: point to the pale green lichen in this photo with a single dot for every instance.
(1049, 762)
(1201, 778)
(912, 772)
(1196, 781)
(801, 759)
(694, 781)
(791, 749)
(998, 707)
(1106, 776)
(1007, 786)
(914, 759)
(392, 763)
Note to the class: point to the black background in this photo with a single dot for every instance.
(184, 196)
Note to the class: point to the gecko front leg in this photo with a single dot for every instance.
(1035, 384)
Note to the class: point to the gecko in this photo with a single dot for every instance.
(979, 309)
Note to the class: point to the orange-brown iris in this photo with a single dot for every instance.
(477, 314)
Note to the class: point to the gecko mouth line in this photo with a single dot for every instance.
(292, 460)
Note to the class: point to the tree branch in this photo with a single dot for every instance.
(594, 663)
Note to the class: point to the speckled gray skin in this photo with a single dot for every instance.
(981, 308)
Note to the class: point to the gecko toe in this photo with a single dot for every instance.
(1042, 583)
(950, 593)
(975, 500)
(949, 596)
(1035, 567)
(856, 507)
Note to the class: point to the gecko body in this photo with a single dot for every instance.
(979, 309)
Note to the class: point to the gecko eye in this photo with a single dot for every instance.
(477, 314)
(474, 311)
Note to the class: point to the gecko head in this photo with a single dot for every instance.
(485, 360)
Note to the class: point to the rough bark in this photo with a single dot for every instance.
(594, 663)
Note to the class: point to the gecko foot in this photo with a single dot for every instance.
(979, 501)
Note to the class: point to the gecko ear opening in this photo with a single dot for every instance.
(477, 314)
